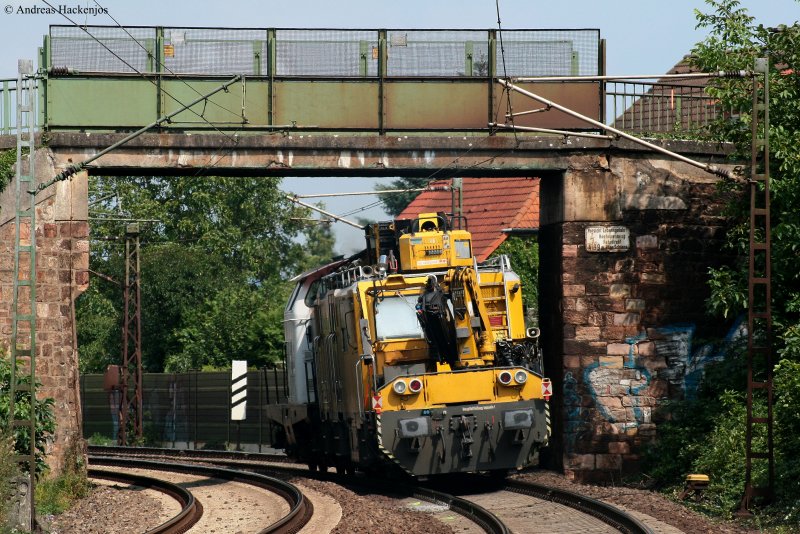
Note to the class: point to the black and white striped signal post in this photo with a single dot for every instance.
(238, 396)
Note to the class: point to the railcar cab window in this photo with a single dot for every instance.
(396, 318)
(311, 296)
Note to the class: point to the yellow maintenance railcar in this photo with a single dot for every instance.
(413, 354)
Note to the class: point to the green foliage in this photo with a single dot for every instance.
(684, 431)
(58, 494)
(100, 439)
(524, 255)
(8, 161)
(733, 43)
(727, 298)
(708, 435)
(213, 269)
(395, 203)
(98, 323)
(8, 470)
(722, 456)
(239, 320)
(45, 420)
(787, 430)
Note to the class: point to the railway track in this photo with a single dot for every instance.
(300, 508)
(615, 518)
(191, 509)
(611, 515)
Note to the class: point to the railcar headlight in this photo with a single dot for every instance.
(521, 377)
(400, 387)
(415, 385)
(504, 378)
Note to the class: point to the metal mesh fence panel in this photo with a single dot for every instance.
(189, 409)
(438, 53)
(308, 52)
(71, 47)
(214, 51)
(326, 53)
(98, 408)
(548, 53)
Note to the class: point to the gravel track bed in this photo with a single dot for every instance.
(367, 513)
(113, 508)
(229, 507)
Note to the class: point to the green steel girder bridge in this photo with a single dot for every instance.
(118, 79)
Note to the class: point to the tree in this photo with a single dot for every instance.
(524, 255)
(213, 269)
(733, 43)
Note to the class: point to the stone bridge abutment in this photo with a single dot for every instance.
(626, 239)
(62, 260)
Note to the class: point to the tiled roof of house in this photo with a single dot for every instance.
(490, 206)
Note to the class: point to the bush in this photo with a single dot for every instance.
(99, 439)
(58, 494)
(787, 440)
(45, 420)
(8, 470)
(55, 495)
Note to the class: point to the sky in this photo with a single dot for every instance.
(642, 37)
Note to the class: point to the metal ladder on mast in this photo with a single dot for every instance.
(760, 361)
(23, 309)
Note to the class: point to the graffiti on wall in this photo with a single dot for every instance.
(626, 393)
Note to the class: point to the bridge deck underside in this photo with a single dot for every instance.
(288, 154)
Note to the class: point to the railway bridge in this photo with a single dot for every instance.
(627, 233)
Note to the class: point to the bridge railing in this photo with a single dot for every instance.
(312, 79)
(323, 52)
(108, 78)
(661, 108)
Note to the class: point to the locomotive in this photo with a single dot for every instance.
(412, 354)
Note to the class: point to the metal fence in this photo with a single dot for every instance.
(660, 108)
(8, 107)
(323, 52)
(373, 68)
(189, 410)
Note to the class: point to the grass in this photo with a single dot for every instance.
(100, 439)
(57, 495)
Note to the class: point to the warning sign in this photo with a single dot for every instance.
(377, 403)
(607, 239)
(547, 389)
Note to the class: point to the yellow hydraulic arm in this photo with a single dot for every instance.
(475, 336)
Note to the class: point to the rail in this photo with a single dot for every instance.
(610, 515)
